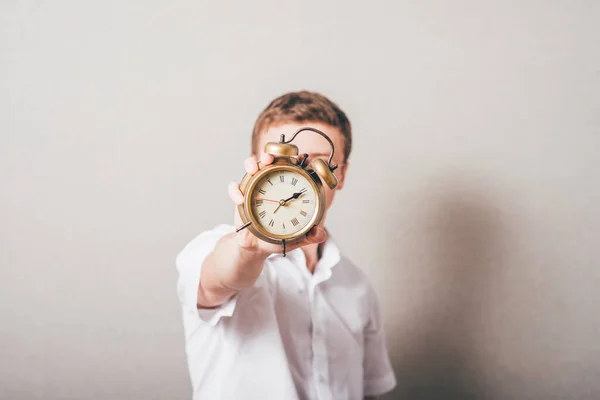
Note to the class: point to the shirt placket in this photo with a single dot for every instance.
(320, 362)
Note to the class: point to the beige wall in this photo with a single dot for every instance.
(472, 199)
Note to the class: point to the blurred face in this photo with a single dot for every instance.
(313, 144)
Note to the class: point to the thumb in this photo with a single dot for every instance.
(237, 220)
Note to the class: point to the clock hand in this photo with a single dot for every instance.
(259, 198)
(295, 195)
(281, 203)
(292, 197)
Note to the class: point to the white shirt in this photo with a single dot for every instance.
(293, 335)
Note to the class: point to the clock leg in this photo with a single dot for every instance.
(247, 224)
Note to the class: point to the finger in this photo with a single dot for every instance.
(234, 193)
(316, 235)
(266, 158)
(250, 165)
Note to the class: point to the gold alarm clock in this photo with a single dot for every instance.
(285, 199)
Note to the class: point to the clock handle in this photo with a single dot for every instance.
(322, 168)
(331, 167)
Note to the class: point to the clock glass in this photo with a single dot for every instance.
(283, 202)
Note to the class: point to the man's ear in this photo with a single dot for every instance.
(340, 174)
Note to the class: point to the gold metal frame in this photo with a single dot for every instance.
(248, 184)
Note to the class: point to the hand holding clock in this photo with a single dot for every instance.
(246, 239)
(238, 258)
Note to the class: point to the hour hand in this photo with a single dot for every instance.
(295, 195)
(292, 197)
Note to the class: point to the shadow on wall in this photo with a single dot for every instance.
(454, 245)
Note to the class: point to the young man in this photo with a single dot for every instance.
(261, 326)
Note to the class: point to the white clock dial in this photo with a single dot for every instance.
(283, 202)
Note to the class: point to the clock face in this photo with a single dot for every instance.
(283, 202)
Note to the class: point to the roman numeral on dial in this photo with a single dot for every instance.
(261, 191)
(258, 202)
(281, 178)
(262, 214)
(303, 213)
(271, 223)
(306, 201)
(295, 222)
(294, 181)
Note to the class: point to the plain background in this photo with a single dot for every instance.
(472, 199)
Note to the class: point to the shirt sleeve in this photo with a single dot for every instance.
(378, 373)
(189, 265)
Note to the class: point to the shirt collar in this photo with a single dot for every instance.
(330, 257)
